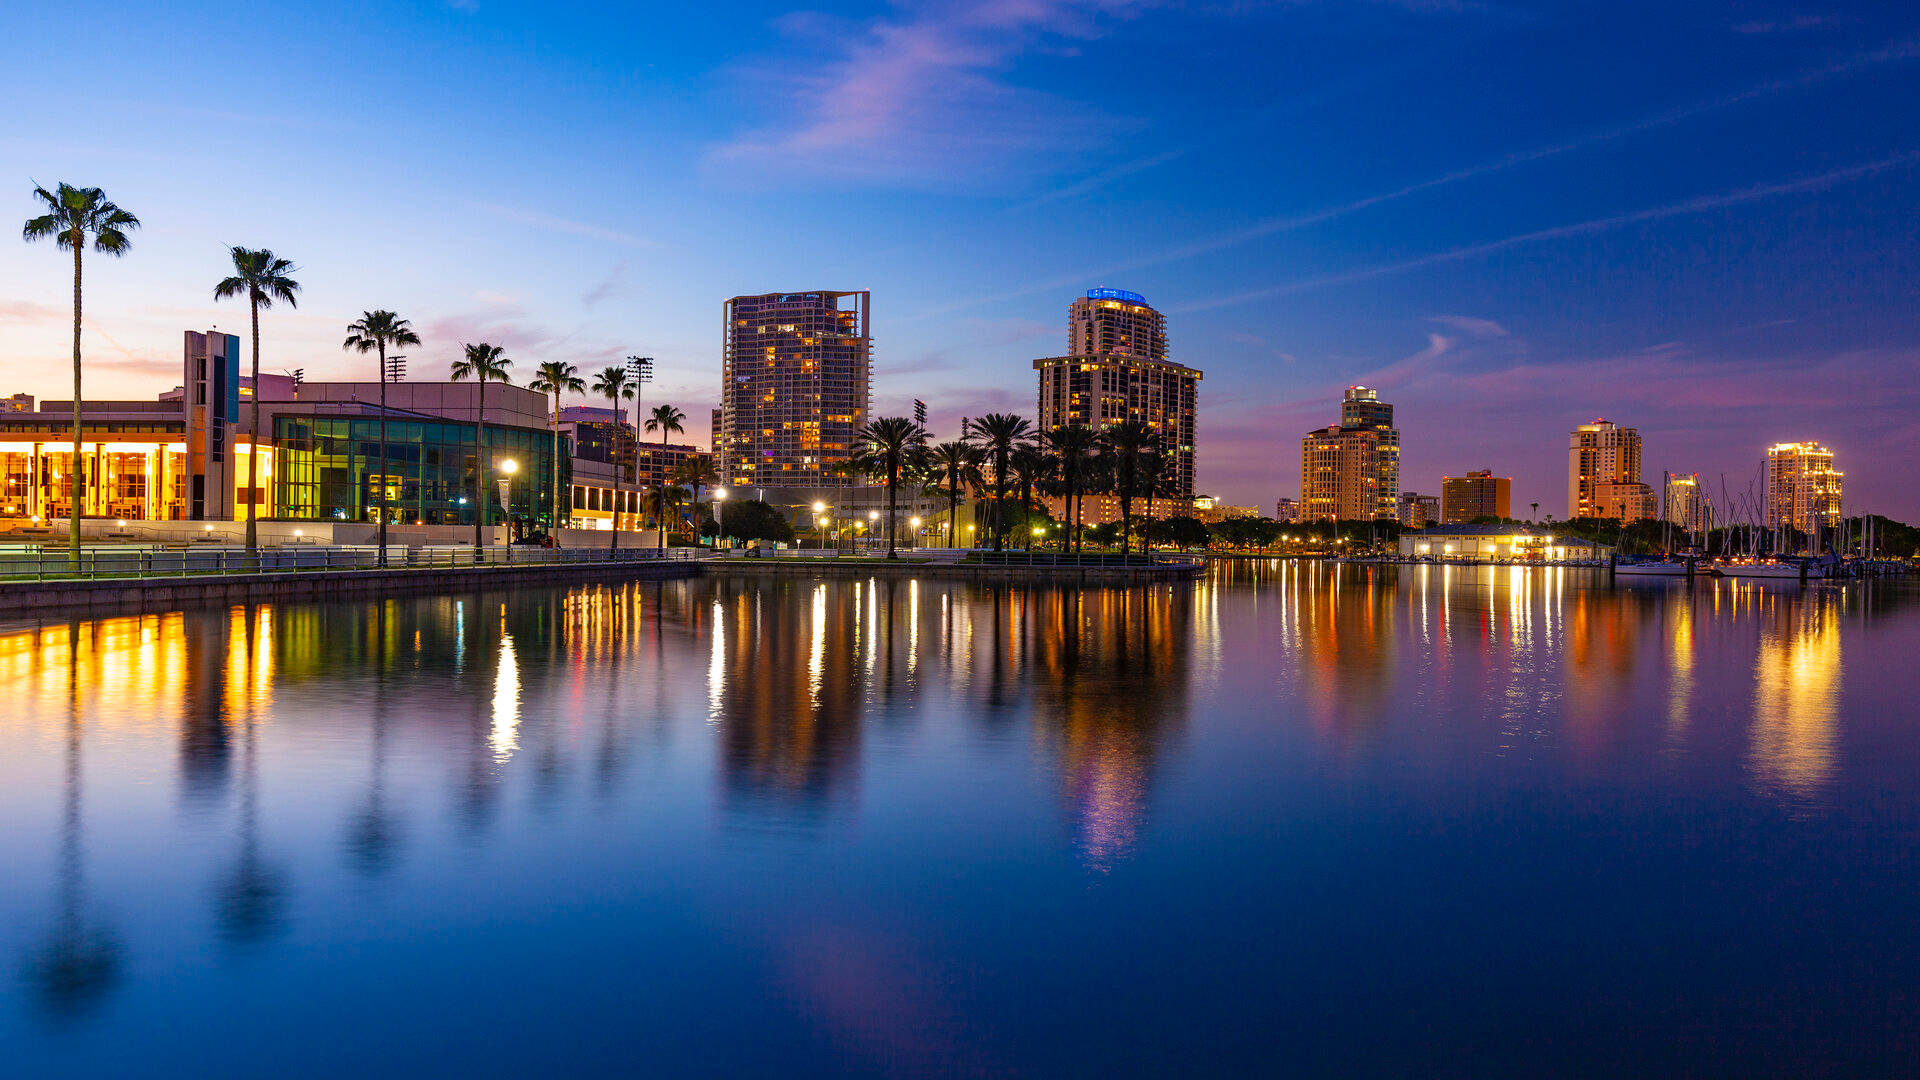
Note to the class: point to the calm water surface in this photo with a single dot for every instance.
(1293, 820)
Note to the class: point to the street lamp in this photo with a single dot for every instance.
(507, 469)
(820, 520)
(720, 515)
(914, 524)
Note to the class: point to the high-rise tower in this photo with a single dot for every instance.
(1803, 487)
(1603, 473)
(1362, 408)
(796, 377)
(1116, 369)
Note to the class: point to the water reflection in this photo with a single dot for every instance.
(401, 729)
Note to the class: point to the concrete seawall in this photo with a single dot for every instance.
(35, 597)
(1043, 574)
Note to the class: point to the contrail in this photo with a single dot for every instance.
(1892, 53)
(1689, 206)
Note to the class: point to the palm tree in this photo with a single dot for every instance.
(998, 434)
(615, 382)
(696, 473)
(887, 448)
(954, 466)
(1074, 447)
(667, 421)
(1030, 467)
(1156, 478)
(482, 363)
(74, 214)
(664, 500)
(373, 333)
(262, 277)
(556, 377)
(1127, 443)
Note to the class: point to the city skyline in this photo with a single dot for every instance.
(1715, 244)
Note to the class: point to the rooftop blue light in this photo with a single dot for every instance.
(1116, 294)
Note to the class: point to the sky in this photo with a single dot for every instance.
(1512, 218)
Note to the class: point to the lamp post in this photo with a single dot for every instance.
(393, 370)
(913, 525)
(820, 521)
(873, 522)
(507, 469)
(720, 515)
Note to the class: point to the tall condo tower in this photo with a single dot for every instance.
(1362, 408)
(1803, 487)
(1603, 473)
(1116, 369)
(796, 378)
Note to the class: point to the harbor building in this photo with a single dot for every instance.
(1340, 474)
(1500, 543)
(1116, 369)
(1475, 495)
(1803, 488)
(796, 382)
(1603, 473)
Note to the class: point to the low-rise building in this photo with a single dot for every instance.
(1500, 543)
(1475, 495)
(1417, 511)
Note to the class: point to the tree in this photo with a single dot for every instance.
(1125, 445)
(662, 501)
(263, 278)
(1073, 447)
(954, 467)
(751, 519)
(1031, 468)
(73, 215)
(666, 420)
(887, 448)
(556, 377)
(375, 331)
(1105, 534)
(1156, 478)
(696, 473)
(483, 363)
(1188, 532)
(998, 434)
(614, 383)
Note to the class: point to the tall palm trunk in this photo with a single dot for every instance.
(661, 508)
(381, 540)
(480, 462)
(619, 429)
(253, 445)
(893, 485)
(953, 506)
(78, 472)
(553, 503)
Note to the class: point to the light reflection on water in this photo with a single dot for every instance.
(877, 822)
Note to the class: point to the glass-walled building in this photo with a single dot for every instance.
(333, 468)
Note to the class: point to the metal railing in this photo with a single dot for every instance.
(1090, 560)
(22, 562)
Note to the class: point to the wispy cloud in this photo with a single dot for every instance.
(1784, 25)
(920, 95)
(1690, 206)
(1896, 52)
(27, 311)
(552, 223)
(605, 287)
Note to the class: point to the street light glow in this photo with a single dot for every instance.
(509, 466)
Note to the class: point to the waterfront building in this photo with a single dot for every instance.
(17, 403)
(1340, 474)
(1687, 503)
(1361, 407)
(796, 381)
(1116, 369)
(1504, 542)
(1475, 495)
(1287, 510)
(1417, 511)
(1803, 488)
(183, 455)
(1603, 473)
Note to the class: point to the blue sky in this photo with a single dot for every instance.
(1511, 217)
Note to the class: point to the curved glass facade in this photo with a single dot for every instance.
(330, 468)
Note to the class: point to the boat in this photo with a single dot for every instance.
(1650, 568)
(1767, 568)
